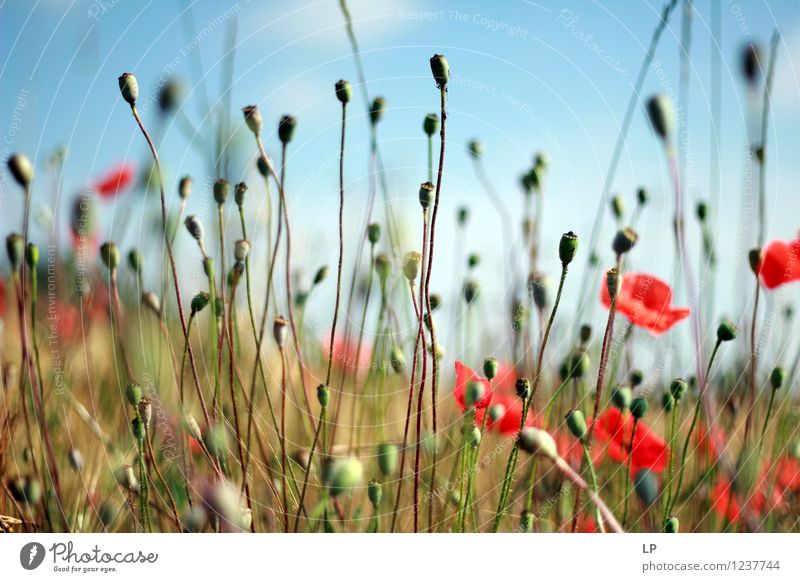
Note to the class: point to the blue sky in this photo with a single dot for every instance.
(527, 76)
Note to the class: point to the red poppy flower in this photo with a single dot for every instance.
(648, 452)
(646, 301)
(465, 375)
(347, 355)
(706, 440)
(729, 505)
(788, 475)
(115, 181)
(780, 263)
(570, 449)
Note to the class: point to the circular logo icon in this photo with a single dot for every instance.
(31, 555)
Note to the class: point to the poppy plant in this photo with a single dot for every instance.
(728, 505)
(115, 181)
(648, 451)
(647, 303)
(780, 263)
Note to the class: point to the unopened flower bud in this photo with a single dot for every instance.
(471, 291)
(646, 485)
(21, 169)
(388, 456)
(145, 410)
(637, 377)
(375, 493)
(344, 92)
(475, 149)
(222, 188)
(398, 359)
(133, 392)
(585, 333)
(661, 114)
(621, 397)
(32, 255)
(136, 260)
(490, 366)
(754, 257)
(376, 110)
(473, 260)
(440, 70)
(200, 301)
(639, 407)
(473, 436)
(252, 117)
(751, 63)
(241, 249)
(474, 392)
(345, 474)
(240, 193)
(152, 302)
(462, 215)
(726, 331)
(496, 412)
(129, 88)
(702, 211)
(668, 401)
(777, 377)
(194, 226)
(540, 287)
(436, 301)
(577, 363)
(323, 395)
(126, 478)
(76, 459)
(430, 125)
(567, 248)
(320, 275)
(185, 187)
(678, 388)
(576, 423)
(642, 196)
(671, 525)
(536, 441)
(618, 207)
(110, 255)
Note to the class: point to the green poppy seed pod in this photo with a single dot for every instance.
(374, 233)
(21, 169)
(216, 441)
(126, 478)
(145, 408)
(490, 366)
(523, 388)
(200, 301)
(376, 110)
(777, 377)
(475, 149)
(33, 491)
(671, 525)
(585, 333)
(152, 302)
(613, 282)
(440, 70)
(661, 114)
(525, 521)
(320, 275)
(473, 260)
(668, 401)
(388, 455)
(241, 249)
(726, 331)
(567, 248)
(344, 476)
(621, 397)
(578, 363)
(136, 260)
(222, 188)
(430, 125)
(383, 267)
(540, 287)
(473, 436)
(426, 190)
(240, 193)
(280, 330)
(646, 485)
(639, 407)
(32, 255)
(541, 162)
(678, 388)
(618, 207)
(702, 211)
(462, 215)
(637, 377)
(576, 423)
(496, 412)
(624, 241)
(252, 117)
(594, 259)
(262, 167)
(411, 265)
(754, 257)
(170, 96)
(474, 392)
(436, 301)
(398, 360)
(129, 88)
(76, 459)
(185, 187)
(110, 255)
(642, 196)
(751, 63)
(133, 393)
(323, 395)
(194, 226)
(471, 291)
(375, 493)
(535, 441)
(286, 127)
(344, 92)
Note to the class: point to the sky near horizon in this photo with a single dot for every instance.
(526, 77)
